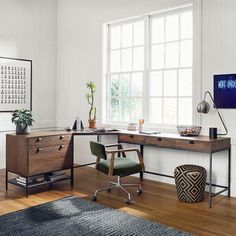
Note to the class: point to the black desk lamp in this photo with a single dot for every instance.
(204, 107)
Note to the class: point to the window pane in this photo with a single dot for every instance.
(186, 25)
(125, 85)
(170, 111)
(114, 109)
(185, 82)
(172, 55)
(138, 33)
(170, 83)
(185, 111)
(155, 113)
(158, 30)
(186, 53)
(172, 27)
(137, 84)
(157, 57)
(125, 109)
(138, 58)
(137, 109)
(115, 61)
(126, 59)
(127, 35)
(115, 37)
(155, 83)
(114, 86)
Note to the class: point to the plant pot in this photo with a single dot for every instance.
(22, 129)
(92, 124)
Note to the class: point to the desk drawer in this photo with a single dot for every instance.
(131, 138)
(193, 145)
(160, 142)
(49, 140)
(46, 159)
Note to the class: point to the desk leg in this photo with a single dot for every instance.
(98, 138)
(72, 177)
(210, 182)
(141, 151)
(6, 180)
(229, 171)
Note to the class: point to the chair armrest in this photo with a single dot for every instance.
(114, 145)
(113, 152)
(122, 150)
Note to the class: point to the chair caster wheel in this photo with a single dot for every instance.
(128, 202)
(139, 191)
(94, 199)
(109, 190)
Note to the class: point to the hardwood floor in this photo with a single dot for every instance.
(158, 202)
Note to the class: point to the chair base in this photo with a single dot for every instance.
(118, 185)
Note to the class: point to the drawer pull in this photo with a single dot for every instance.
(39, 139)
(131, 136)
(61, 146)
(39, 149)
(159, 139)
(61, 137)
(191, 142)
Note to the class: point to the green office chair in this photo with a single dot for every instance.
(116, 166)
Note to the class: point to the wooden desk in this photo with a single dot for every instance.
(28, 155)
(174, 141)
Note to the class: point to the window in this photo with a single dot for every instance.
(149, 69)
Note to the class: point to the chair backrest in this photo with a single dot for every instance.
(98, 150)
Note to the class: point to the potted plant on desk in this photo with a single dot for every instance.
(23, 120)
(90, 98)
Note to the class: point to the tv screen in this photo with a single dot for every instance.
(225, 91)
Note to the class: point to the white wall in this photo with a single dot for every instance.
(80, 59)
(28, 30)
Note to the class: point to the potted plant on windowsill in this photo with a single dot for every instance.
(90, 98)
(23, 120)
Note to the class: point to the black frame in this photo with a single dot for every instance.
(31, 73)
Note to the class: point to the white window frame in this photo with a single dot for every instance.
(196, 68)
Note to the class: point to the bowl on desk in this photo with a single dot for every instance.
(189, 130)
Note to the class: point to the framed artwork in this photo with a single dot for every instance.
(15, 84)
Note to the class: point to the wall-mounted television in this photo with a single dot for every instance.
(225, 90)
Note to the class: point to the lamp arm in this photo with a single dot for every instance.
(226, 131)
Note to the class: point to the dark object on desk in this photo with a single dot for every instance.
(189, 130)
(75, 126)
(116, 166)
(213, 132)
(76, 216)
(190, 183)
(204, 107)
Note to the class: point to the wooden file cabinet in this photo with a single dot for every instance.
(38, 153)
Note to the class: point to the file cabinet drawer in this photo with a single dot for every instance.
(49, 140)
(46, 159)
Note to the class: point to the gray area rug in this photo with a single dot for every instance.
(75, 216)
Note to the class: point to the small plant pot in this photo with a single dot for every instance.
(92, 124)
(22, 129)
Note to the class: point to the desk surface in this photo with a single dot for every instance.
(125, 132)
(198, 143)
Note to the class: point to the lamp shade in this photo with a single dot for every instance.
(203, 107)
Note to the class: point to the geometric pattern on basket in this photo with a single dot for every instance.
(190, 182)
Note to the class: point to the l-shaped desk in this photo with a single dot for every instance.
(36, 141)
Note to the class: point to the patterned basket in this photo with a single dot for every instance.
(191, 130)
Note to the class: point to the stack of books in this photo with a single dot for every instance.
(32, 180)
(56, 175)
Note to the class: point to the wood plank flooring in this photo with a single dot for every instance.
(158, 202)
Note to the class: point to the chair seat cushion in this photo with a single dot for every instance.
(122, 166)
